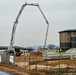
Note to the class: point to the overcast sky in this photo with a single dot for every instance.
(31, 28)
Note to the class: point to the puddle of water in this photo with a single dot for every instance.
(5, 73)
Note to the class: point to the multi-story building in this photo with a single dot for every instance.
(67, 39)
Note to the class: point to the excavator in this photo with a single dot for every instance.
(11, 47)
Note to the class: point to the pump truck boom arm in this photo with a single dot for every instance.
(47, 26)
(16, 22)
(36, 4)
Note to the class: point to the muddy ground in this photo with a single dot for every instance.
(38, 66)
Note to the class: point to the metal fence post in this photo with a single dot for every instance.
(46, 62)
(59, 63)
(29, 62)
(14, 58)
(24, 60)
(36, 63)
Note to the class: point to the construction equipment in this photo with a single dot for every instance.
(16, 22)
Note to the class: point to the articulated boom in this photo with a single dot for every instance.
(16, 22)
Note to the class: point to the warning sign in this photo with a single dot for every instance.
(11, 59)
(0, 58)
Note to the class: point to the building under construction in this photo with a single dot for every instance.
(67, 39)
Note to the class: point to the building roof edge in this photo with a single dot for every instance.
(69, 30)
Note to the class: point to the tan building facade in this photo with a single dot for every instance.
(67, 39)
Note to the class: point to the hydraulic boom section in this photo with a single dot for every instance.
(36, 4)
(16, 22)
(14, 26)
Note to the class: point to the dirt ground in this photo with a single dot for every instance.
(17, 71)
(33, 61)
(36, 61)
(11, 69)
